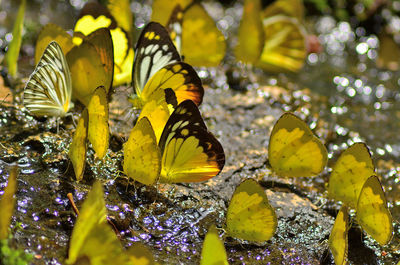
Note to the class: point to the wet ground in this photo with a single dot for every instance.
(341, 94)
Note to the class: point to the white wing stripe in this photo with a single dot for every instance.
(48, 91)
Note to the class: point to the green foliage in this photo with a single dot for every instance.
(15, 45)
(11, 256)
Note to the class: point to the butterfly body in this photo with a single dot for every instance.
(49, 89)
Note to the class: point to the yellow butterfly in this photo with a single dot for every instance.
(294, 151)
(250, 216)
(353, 167)
(338, 239)
(121, 11)
(213, 251)
(92, 126)
(186, 152)
(7, 203)
(372, 211)
(78, 147)
(94, 242)
(276, 43)
(160, 80)
(98, 131)
(49, 88)
(251, 34)
(52, 32)
(158, 65)
(290, 8)
(198, 38)
(94, 16)
(91, 64)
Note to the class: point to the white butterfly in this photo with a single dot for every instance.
(48, 91)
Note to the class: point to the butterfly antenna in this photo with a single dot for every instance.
(66, 170)
(127, 185)
(156, 197)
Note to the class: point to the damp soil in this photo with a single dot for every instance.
(340, 101)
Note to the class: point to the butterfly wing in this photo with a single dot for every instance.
(98, 129)
(139, 254)
(251, 33)
(372, 211)
(158, 108)
(49, 33)
(285, 45)
(181, 78)
(7, 203)
(250, 216)
(123, 57)
(78, 147)
(213, 251)
(170, 86)
(290, 8)
(174, 26)
(162, 10)
(102, 42)
(141, 154)
(121, 11)
(338, 239)
(203, 44)
(353, 167)
(94, 16)
(87, 70)
(294, 151)
(48, 91)
(154, 50)
(190, 153)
